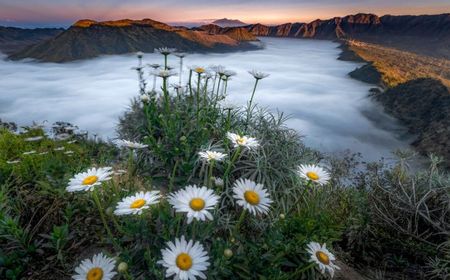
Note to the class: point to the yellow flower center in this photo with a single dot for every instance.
(312, 175)
(197, 204)
(138, 203)
(95, 273)
(241, 140)
(89, 180)
(184, 261)
(323, 258)
(199, 70)
(251, 197)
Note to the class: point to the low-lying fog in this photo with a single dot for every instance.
(306, 81)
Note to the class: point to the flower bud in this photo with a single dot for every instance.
(282, 216)
(228, 253)
(109, 211)
(123, 267)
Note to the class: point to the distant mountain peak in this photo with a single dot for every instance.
(225, 22)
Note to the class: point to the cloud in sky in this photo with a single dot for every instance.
(265, 11)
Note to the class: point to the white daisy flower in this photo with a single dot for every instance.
(69, 152)
(139, 54)
(212, 156)
(165, 50)
(258, 75)
(228, 73)
(198, 69)
(136, 203)
(42, 153)
(242, 141)
(154, 65)
(130, 144)
(33, 139)
(71, 142)
(120, 172)
(164, 73)
(184, 260)
(99, 268)
(12, 161)
(314, 173)
(145, 98)
(321, 256)
(251, 196)
(59, 149)
(62, 136)
(195, 202)
(29, 152)
(86, 181)
(180, 54)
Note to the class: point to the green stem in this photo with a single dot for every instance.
(231, 163)
(102, 216)
(197, 97)
(165, 62)
(166, 95)
(210, 172)
(172, 176)
(249, 109)
(239, 223)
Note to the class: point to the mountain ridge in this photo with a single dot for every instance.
(412, 33)
(88, 38)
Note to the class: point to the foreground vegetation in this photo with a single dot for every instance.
(256, 202)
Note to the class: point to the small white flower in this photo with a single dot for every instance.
(242, 141)
(139, 54)
(69, 152)
(212, 156)
(180, 54)
(229, 73)
(130, 144)
(136, 203)
(321, 256)
(251, 196)
(29, 152)
(164, 73)
(13, 161)
(184, 260)
(154, 65)
(120, 172)
(314, 173)
(258, 75)
(86, 181)
(197, 69)
(62, 136)
(42, 153)
(165, 50)
(33, 139)
(195, 201)
(99, 268)
(218, 182)
(218, 69)
(59, 149)
(71, 142)
(145, 98)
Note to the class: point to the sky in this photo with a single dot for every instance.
(55, 13)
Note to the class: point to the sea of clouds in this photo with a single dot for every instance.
(306, 82)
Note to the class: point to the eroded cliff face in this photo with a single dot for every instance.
(427, 34)
(423, 105)
(236, 33)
